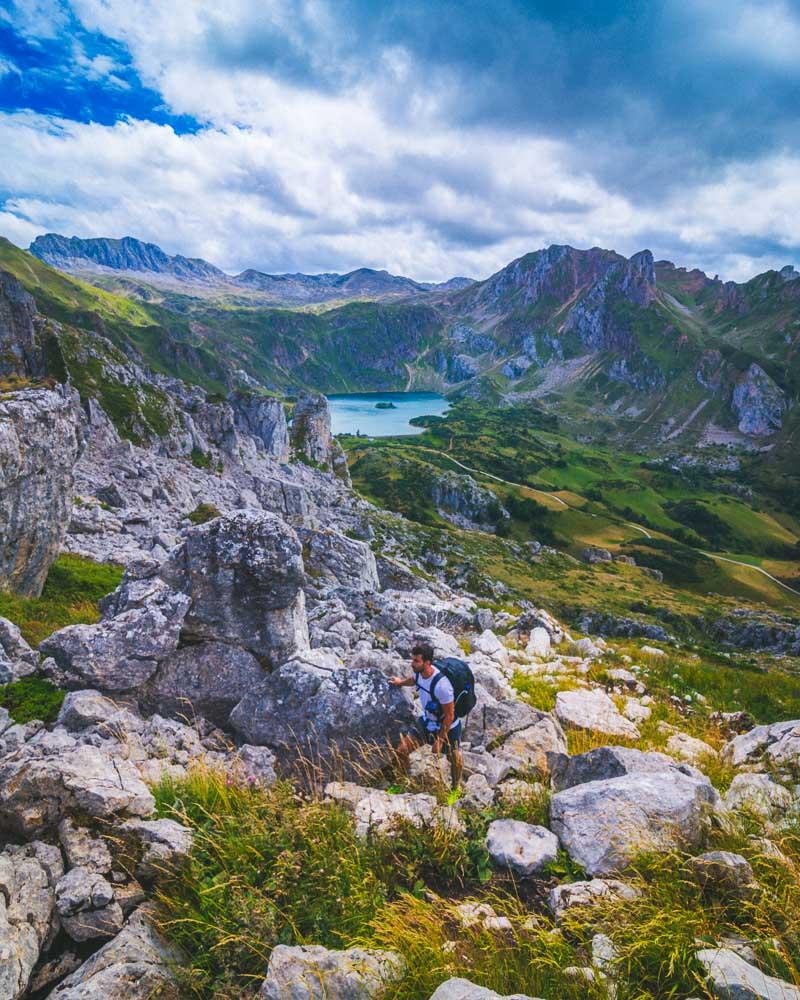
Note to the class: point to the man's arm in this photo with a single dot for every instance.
(400, 682)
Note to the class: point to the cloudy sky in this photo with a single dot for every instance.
(430, 137)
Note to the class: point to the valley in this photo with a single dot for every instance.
(208, 580)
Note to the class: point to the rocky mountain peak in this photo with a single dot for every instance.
(126, 254)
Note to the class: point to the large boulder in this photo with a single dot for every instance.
(531, 750)
(603, 763)
(592, 709)
(311, 972)
(604, 825)
(778, 743)
(333, 558)
(206, 680)
(41, 436)
(323, 714)
(244, 575)
(122, 653)
(47, 779)
(132, 966)
(731, 978)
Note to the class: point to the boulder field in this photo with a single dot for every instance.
(261, 643)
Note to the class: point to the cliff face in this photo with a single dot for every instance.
(40, 440)
(20, 330)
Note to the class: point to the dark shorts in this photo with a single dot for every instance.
(421, 734)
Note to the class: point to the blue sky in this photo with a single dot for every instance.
(432, 138)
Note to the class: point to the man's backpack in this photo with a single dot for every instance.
(463, 681)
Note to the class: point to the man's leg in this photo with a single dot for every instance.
(456, 764)
(407, 745)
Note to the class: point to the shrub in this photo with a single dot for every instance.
(203, 512)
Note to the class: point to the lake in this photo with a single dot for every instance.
(358, 412)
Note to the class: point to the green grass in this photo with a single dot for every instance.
(73, 588)
(31, 698)
(269, 867)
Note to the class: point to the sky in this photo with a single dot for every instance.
(429, 137)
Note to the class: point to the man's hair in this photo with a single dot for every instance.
(425, 650)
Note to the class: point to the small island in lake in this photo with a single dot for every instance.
(385, 406)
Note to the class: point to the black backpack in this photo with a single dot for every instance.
(463, 681)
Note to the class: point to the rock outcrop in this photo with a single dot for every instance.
(21, 331)
(243, 575)
(311, 438)
(758, 403)
(40, 440)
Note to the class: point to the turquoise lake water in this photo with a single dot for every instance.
(358, 412)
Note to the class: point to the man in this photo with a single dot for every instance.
(438, 725)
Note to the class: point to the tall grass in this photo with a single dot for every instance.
(74, 586)
(271, 867)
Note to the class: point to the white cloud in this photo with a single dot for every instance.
(284, 177)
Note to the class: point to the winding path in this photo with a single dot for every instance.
(630, 524)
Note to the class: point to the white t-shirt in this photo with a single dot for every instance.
(443, 693)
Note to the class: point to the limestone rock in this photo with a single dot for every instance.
(21, 351)
(463, 989)
(132, 966)
(758, 402)
(731, 978)
(41, 436)
(263, 419)
(310, 435)
(27, 882)
(243, 574)
(339, 713)
(82, 849)
(723, 871)
(41, 783)
(377, 811)
(122, 653)
(758, 794)
(613, 762)
(81, 709)
(530, 750)
(595, 711)
(86, 906)
(333, 557)
(311, 972)
(539, 642)
(778, 743)
(164, 843)
(207, 680)
(586, 893)
(604, 825)
(17, 659)
(522, 847)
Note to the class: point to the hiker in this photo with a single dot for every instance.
(443, 703)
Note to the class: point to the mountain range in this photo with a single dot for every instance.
(623, 349)
(149, 263)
